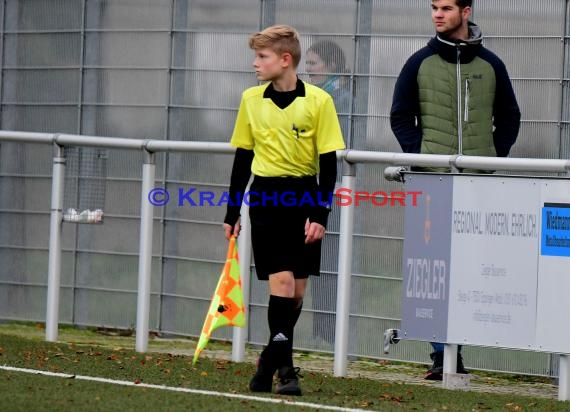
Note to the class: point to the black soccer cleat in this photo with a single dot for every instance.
(262, 381)
(288, 383)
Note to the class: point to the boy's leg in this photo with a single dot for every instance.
(282, 313)
(300, 287)
(284, 310)
(288, 375)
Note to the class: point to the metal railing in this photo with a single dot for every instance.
(150, 147)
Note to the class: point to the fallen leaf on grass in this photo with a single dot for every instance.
(221, 364)
(388, 397)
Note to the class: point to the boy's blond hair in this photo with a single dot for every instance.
(281, 39)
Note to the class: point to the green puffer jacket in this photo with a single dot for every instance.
(455, 98)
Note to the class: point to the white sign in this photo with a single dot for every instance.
(494, 243)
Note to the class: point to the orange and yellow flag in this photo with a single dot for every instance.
(226, 308)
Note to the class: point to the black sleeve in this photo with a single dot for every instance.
(327, 180)
(241, 172)
(405, 111)
(506, 113)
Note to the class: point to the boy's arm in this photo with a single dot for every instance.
(241, 172)
(327, 180)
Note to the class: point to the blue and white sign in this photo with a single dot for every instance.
(553, 304)
(427, 230)
(471, 260)
(555, 238)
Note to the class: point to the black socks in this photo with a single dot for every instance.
(282, 315)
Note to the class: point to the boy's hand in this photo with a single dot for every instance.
(228, 229)
(313, 231)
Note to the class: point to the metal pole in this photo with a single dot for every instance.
(244, 249)
(344, 274)
(54, 262)
(145, 254)
(564, 378)
(449, 364)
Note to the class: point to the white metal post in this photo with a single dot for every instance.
(564, 378)
(145, 254)
(449, 358)
(54, 260)
(244, 250)
(344, 274)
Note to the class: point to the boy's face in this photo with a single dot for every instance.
(269, 65)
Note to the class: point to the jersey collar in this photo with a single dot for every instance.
(298, 92)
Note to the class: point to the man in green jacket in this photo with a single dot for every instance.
(454, 96)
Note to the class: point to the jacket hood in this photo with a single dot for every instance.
(469, 48)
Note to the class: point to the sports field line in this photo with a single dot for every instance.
(184, 390)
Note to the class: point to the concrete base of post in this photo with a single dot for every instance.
(456, 381)
(452, 379)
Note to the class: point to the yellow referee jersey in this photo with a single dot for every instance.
(287, 142)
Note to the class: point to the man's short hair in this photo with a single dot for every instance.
(281, 39)
(464, 3)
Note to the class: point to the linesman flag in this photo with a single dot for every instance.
(226, 308)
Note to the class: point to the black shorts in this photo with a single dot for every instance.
(279, 208)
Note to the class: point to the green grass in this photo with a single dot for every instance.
(85, 352)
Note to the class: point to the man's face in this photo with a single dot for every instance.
(449, 19)
(268, 65)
